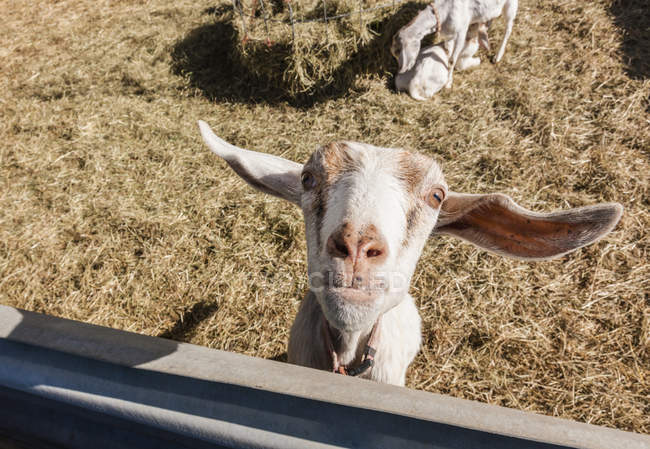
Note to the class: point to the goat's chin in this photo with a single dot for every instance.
(351, 309)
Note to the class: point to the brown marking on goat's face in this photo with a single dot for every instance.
(412, 220)
(412, 168)
(336, 160)
(327, 163)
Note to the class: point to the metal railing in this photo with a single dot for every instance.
(68, 384)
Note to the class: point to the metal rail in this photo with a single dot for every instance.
(74, 385)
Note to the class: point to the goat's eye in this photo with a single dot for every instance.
(308, 181)
(435, 197)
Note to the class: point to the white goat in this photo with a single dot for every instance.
(431, 69)
(451, 19)
(368, 213)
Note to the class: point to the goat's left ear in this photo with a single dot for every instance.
(270, 174)
(496, 223)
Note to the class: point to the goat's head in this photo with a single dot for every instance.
(369, 211)
(407, 41)
(405, 50)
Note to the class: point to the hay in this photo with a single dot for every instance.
(310, 55)
(113, 212)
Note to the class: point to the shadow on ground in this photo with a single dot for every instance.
(185, 326)
(633, 17)
(282, 357)
(209, 57)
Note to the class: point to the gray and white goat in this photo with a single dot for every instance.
(451, 19)
(368, 213)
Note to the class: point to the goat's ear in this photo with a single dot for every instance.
(483, 38)
(496, 223)
(270, 174)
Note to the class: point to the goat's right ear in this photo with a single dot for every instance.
(270, 174)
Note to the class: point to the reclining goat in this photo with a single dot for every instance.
(368, 213)
(431, 70)
(450, 19)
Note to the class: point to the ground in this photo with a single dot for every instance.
(113, 212)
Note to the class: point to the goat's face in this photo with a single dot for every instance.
(368, 212)
(405, 50)
(406, 42)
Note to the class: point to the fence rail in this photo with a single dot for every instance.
(68, 384)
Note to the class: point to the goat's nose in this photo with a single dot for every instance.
(349, 244)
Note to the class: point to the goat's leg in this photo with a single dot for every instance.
(458, 46)
(467, 60)
(510, 11)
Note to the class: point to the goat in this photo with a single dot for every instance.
(451, 19)
(431, 70)
(368, 213)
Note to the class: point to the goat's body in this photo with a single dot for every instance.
(455, 18)
(398, 345)
(428, 75)
(460, 15)
(431, 70)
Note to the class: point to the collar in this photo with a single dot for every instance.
(367, 359)
(435, 13)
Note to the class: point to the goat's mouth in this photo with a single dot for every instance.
(353, 295)
(349, 283)
(350, 309)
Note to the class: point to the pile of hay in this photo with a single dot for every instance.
(313, 54)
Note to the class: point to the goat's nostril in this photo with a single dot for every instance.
(337, 246)
(341, 248)
(373, 253)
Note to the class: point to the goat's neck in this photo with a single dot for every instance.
(426, 22)
(350, 345)
(423, 24)
(444, 9)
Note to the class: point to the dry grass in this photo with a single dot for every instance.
(310, 56)
(113, 212)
